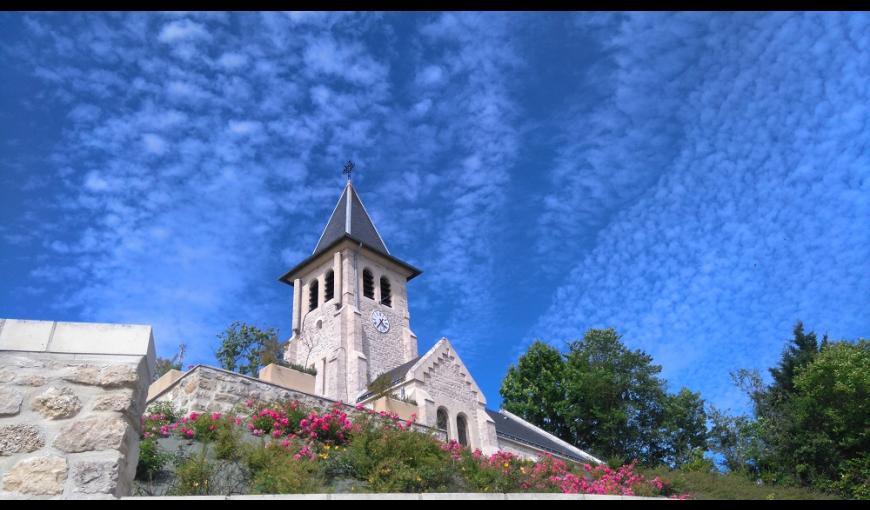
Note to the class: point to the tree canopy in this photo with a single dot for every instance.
(606, 398)
(246, 349)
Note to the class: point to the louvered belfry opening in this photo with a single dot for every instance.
(329, 286)
(368, 284)
(313, 295)
(386, 297)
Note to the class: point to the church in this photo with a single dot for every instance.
(352, 325)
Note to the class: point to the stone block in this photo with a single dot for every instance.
(165, 381)
(120, 402)
(288, 378)
(10, 401)
(19, 335)
(37, 476)
(30, 380)
(108, 377)
(95, 476)
(57, 403)
(20, 438)
(93, 433)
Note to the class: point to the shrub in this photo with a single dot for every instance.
(151, 459)
(278, 470)
(193, 476)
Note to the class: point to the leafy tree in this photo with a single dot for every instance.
(684, 430)
(810, 423)
(831, 417)
(247, 348)
(606, 398)
(174, 363)
(534, 388)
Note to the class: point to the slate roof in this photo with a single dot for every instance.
(350, 218)
(507, 427)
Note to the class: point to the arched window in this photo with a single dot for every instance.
(462, 430)
(441, 419)
(313, 295)
(386, 297)
(329, 286)
(368, 284)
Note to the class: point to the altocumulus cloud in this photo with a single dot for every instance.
(738, 199)
(697, 181)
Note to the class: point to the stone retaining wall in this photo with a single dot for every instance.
(69, 418)
(209, 389)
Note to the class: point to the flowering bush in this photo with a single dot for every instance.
(290, 448)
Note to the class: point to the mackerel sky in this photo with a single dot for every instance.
(697, 181)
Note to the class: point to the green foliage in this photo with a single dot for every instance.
(247, 349)
(296, 366)
(170, 414)
(606, 397)
(151, 459)
(705, 485)
(810, 423)
(174, 363)
(396, 461)
(275, 471)
(194, 475)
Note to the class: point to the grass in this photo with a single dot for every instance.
(703, 485)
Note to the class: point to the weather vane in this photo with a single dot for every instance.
(348, 168)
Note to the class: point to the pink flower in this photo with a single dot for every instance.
(215, 416)
(146, 435)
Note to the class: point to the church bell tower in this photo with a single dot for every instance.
(350, 305)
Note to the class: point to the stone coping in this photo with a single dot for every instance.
(449, 496)
(79, 338)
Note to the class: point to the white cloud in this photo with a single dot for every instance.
(182, 30)
(154, 144)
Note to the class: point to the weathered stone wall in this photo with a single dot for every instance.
(69, 421)
(209, 389)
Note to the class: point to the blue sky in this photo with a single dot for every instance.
(697, 181)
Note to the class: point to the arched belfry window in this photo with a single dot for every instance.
(368, 284)
(313, 295)
(462, 430)
(386, 297)
(441, 419)
(328, 286)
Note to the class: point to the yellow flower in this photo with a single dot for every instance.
(506, 464)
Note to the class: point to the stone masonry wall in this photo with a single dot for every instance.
(69, 422)
(209, 389)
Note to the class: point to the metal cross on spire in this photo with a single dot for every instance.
(348, 168)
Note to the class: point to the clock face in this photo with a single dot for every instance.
(380, 321)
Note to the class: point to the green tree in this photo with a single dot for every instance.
(684, 430)
(831, 418)
(246, 349)
(534, 389)
(606, 398)
(810, 423)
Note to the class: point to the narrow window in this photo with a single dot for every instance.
(441, 421)
(462, 430)
(329, 286)
(386, 298)
(313, 295)
(368, 284)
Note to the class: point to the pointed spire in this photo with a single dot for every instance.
(351, 218)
